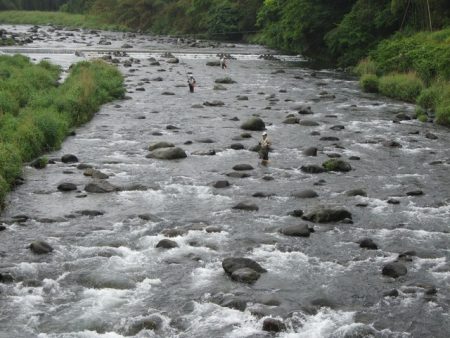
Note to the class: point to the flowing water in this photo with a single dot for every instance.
(105, 274)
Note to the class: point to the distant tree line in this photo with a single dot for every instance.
(341, 30)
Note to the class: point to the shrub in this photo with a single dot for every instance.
(404, 87)
(365, 66)
(4, 188)
(422, 117)
(369, 83)
(10, 162)
(429, 97)
(443, 112)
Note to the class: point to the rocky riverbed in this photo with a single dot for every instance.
(156, 219)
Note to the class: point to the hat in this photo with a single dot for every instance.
(264, 133)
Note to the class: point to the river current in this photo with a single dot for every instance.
(105, 276)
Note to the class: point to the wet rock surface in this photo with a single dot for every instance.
(106, 276)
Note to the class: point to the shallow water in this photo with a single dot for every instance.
(105, 272)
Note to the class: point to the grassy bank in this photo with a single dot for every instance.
(36, 112)
(57, 18)
(414, 69)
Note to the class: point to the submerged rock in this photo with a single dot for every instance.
(149, 323)
(67, 187)
(326, 215)
(100, 187)
(311, 151)
(40, 247)
(246, 206)
(273, 325)
(166, 244)
(221, 184)
(168, 154)
(245, 275)
(242, 167)
(297, 230)
(225, 80)
(394, 270)
(312, 169)
(305, 194)
(159, 145)
(254, 123)
(69, 158)
(337, 165)
(368, 243)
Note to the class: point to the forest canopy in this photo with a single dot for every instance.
(341, 31)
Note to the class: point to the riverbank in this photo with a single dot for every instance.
(58, 18)
(414, 69)
(37, 113)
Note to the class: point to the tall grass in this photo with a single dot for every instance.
(406, 87)
(36, 112)
(58, 18)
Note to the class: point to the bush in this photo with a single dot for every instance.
(369, 83)
(443, 112)
(422, 118)
(406, 87)
(4, 188)
(10, 162)
(365, 66)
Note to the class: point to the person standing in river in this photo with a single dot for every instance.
(264, 148)
(223, 62)
(191, 83)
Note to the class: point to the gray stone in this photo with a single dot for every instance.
(326, 215)
(67, 187)
(245, 275)
(394, 269)
(311, 151)
(297, 230)
(312, 169)
(167, 154)
(69, 158)
(167, 244)
(246, 206)
(368, 243)
(100, 187)
(356, 192)
(221, 184)
(242, 167)
(308, 123)
(159, 145)
(254, 123)
(273, 325)
(40, 247)
(232, 264)
(305, 194)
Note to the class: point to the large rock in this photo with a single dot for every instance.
(167, 154)
(225, 80)
(100, 187)
(356, 192)
(159, 145)
(214, 103)
(308, 123)
(394, 269)
(69, 158)
(337, 165)
(166, 244)
(246, 206)
(245, 275)
(312, 169)
(311, 151)
(213, 63)
(95, 174)
(242, 167)
(221, 184)
(273, 325)
(297, 230)
(232, 264)
(291, 120)
(67, 187)
(326, 215)
(305, 194)
(40, 247)
(254, 123)
(368, 243)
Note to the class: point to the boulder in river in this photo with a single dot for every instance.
(40, 247)
(391, 144)
(67, 187)
(69, 158)
(225, 80)
(296, 230)
(337, 165)
(368, 243)
(221, 184)
(312, 169)
(254, 123)
(394, 269)
(291, 120)
(166, 244)
(327, 215)
(168, 153)
(213, 63)
(242, 167)
(6, 278)
(214, 103)
(237, 146)
(246, 206)
(311, 151)
(308, 123)
(308, 193)
(232, 264)
(158, 145)
(356, 192)
(39, 163)
(245, 275)
(273, 325)
(148, 323)
(100, 187)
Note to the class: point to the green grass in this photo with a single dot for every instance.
(36, 112)
(369, 83)
(58, 18)
(406, 87)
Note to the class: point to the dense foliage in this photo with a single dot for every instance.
(36, 112)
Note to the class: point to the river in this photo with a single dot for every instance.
(105, 276)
